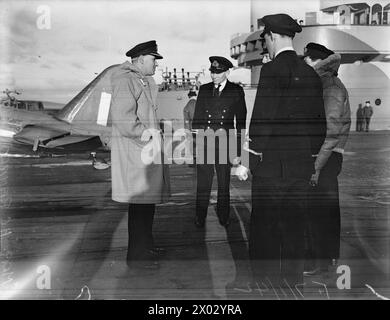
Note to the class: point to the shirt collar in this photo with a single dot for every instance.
(284, 49)
(222, 85)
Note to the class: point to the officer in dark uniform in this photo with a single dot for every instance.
(287, 127)
(220, 111)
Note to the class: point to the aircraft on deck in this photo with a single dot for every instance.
(84, 118)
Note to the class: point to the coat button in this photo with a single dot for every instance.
(208, 121)
(224, 110)
(208, 127)
(221, 122)
(222, 117)
(209, 115)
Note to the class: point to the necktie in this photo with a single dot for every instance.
(216, 91)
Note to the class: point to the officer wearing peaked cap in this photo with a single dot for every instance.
(219, 64)
(287, 127)
(280, 23)
(145, 48)
(137, 182)
(220, 109)
(316, 51)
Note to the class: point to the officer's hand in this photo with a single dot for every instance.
(314, 178)
(151, 134)
(242, 172)
(236, 161)
(246, 145)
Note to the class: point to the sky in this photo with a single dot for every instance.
(49, 50)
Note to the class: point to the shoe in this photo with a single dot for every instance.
(240, 286)
(199, 222)
(327, 264)
(312, 272)
(143, 264)
(158, 252)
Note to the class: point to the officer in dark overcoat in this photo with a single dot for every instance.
(287, 128)
(219, 121)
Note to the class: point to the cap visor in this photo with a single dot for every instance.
(212, 70)
(156, 55)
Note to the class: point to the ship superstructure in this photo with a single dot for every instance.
(360, 32)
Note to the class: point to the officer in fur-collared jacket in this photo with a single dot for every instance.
(324, 211)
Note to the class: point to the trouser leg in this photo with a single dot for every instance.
(292, 222)
(223, 204)
(264, 239)
(324, 213)
(149, 226)
(194, 148)
(140, 223)
(329, 224)
(204, 182)
(368, 124)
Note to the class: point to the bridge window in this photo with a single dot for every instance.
(260, 24)
(376, 14)
(360, 13)
(33, 106)
(21, 105)
(250, 46)
(386, 14)
(343, 15)
(259, 45)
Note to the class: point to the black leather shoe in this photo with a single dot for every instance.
(312, 272)
(199, 222)
(156, 251)
(143, 265)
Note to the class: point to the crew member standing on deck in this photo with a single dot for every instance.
(189, 110)
(220, 108)
(359, 118)
(288, 125)
(188, 116)
(137, 179)
(324, 208)
(367, 114)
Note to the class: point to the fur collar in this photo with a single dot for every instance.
(328, 66)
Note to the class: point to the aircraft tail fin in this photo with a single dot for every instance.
(91, 105)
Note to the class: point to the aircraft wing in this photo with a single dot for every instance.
(85, 117)
(48, 137)
(65, 140)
